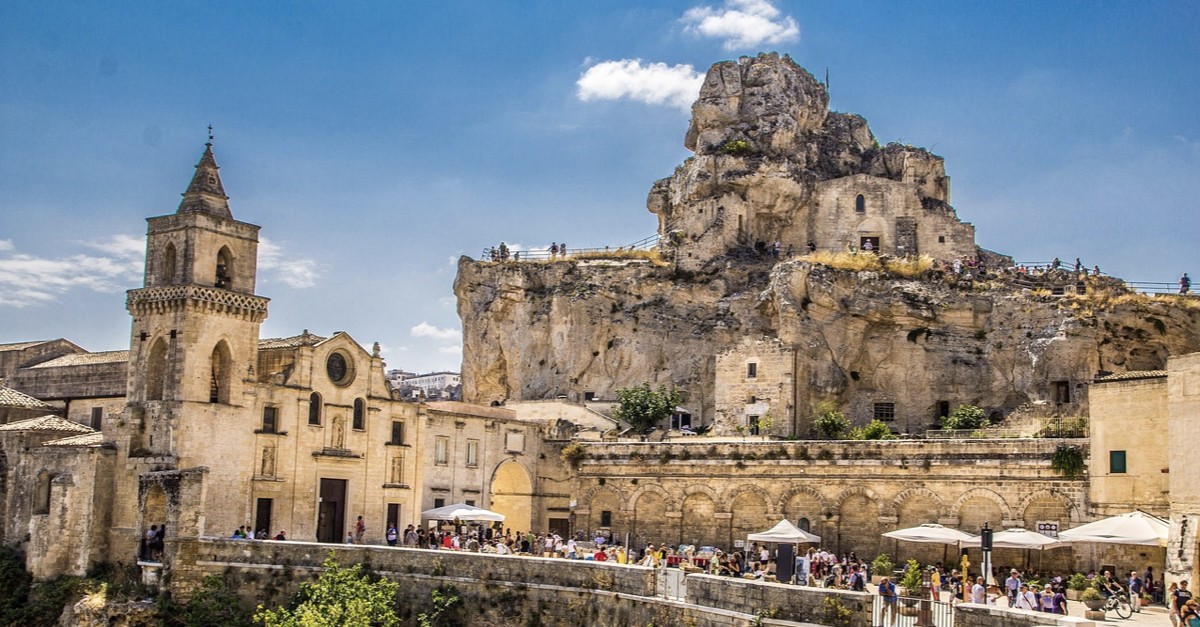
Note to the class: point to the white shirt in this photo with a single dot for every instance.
(978, 593)
(1026, 601)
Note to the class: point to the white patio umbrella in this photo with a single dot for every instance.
(1018, 538)
(785, 533)
(461, 511)
(929, 533)
(1136, 527)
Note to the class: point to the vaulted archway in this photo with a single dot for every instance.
(512, 495)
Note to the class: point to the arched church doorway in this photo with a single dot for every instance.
(512, 495)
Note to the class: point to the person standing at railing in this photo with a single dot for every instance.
(887, 592)
(1185, 284)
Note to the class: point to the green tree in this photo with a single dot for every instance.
(965, 417)
(829, 421)
(340, 597)
(643, 407)
(446, 606)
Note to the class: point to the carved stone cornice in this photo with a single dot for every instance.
(177, 298)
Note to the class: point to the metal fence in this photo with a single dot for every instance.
(911, 612)
(976, 434)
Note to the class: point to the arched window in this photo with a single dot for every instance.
(314, 409)
(41, 498)
(156, 373)
(224, 274)
(860, 204)
(167, 271)
(804, 525)
(360, 412)
(222, 367)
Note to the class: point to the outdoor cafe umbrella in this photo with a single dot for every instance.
(1136, 527)
(930, 533)
(785, 533)
(461, 511)
(1018, 538)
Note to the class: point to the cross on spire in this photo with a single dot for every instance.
(210, 135)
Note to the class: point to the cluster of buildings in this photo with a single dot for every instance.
(206, 427)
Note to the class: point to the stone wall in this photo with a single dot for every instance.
(1129, 416)
(756, 381)
(52, 383)
(781, 601)
(975, 615)
(506, 590)
(707, 492)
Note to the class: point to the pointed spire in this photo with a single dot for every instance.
(205, 194)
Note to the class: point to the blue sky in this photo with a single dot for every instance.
(377, 142)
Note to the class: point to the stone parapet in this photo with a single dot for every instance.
(779, 601)
(976, 615)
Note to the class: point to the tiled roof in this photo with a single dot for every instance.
(85, 359)
(12, 398)
(20, 346)
(92, 439)
(1131, 375)
(296, 341)
(46, 423)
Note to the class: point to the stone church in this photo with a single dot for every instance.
(213, 428)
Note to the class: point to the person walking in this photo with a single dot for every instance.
(887, 592)
(1185, 284)
(1135, 591)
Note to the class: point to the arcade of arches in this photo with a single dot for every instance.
(846, 492)
(847, 518)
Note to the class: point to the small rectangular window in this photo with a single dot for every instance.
(441, 451)
(472, 452)
(752, 424)
(439, 503)
(97, 417)
(589, 396)
(1062, 391)
(470, 502)
(1116, 462)
(606, 518)
(885, 412)
(752, 370)
(397, 432)
(268, 419)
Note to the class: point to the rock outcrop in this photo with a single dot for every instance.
(535, 331)
(776, 174)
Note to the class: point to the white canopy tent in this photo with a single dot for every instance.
(930, 533)
(461, 511)
(785, 533)
(1136, 527)
(1018, 538)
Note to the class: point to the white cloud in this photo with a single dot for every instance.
(450, 350)
(298, 272)
(428, 330)
(28, 280)
(742, 24)
(652, 83)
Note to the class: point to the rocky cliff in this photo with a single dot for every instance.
(775, 175)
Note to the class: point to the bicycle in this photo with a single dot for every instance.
(1119, 603)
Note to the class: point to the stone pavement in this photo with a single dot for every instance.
(1152, 616)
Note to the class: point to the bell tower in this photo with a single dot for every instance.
(196, 319)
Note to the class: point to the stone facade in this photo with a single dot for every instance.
(1129, 464)
(206, 427)
(847, 492)
(756, 388)
(1183, 434)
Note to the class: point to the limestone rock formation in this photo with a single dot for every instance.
(745, 324)
(857, 338)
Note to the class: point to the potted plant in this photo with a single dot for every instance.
(1076, 584)
(881, 567)
(1092, 598)
(910, 588)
